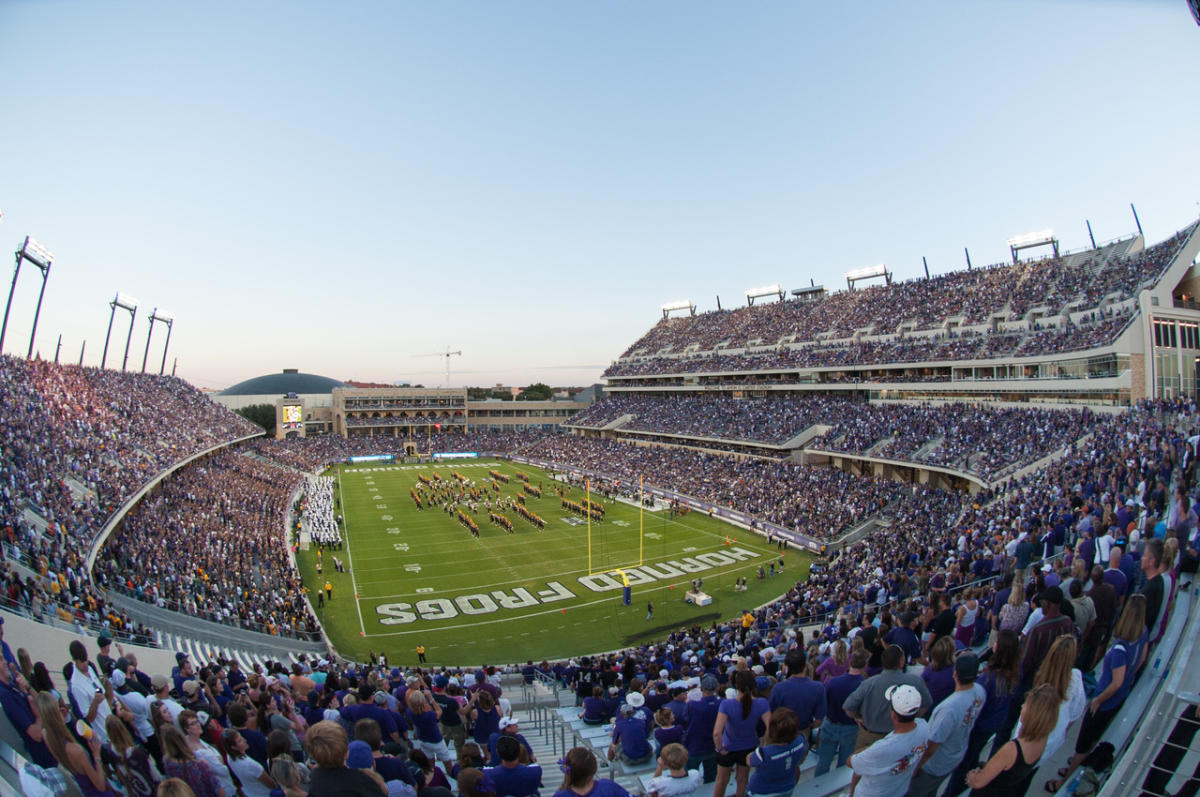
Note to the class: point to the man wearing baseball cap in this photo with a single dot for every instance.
(950, 727)
(885, 769)
(868, 705)
(511, 728)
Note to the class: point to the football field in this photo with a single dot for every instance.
(420, 576)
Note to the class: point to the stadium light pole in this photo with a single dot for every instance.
(125, 303)
(166, 318)
(766, 290)
(42, 258)
(169, 320)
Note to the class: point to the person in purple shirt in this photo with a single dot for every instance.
(512, 778)
(1086, 550)
(938, 675)
(698, 733)
(579, 777)
(904, 636)
(629, 738)
(737, 731)
(1115, 576)
(804, 696)
(839, 731)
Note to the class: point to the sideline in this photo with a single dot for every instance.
(362, 628)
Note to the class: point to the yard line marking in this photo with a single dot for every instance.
(362, 628)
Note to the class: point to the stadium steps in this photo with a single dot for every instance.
(931, 446)
(35, 520)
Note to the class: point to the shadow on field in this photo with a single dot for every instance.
(659, 631)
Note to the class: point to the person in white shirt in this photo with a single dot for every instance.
(885, 769)
(92, 697)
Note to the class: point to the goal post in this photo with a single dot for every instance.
(594, 541)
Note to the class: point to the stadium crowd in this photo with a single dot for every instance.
(211, 543)
(817, 502)
(773, 420)
(308, 454)
(75, 443)
(1057, 649)
(973, 296)
(977, 439)
(965, 436)
(1097, 328)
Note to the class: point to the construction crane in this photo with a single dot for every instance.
(447, 354)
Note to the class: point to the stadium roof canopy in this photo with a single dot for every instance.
(289, 381)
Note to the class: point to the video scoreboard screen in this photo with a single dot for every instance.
(293, 416)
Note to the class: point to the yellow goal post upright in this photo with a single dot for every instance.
(587, 486)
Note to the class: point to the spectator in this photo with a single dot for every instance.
(180, 762)
(579, 777)
(1007, 771)
(83, 763)
(870, 703)
(950, 728)
(328, 747)
(799, 693)
(777, 764)
(839, 730)
(698, 736)
(887, 765)
(254, 779)
(735, 733)
(512, 778)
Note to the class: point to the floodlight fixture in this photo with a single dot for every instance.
(1032, 239)
(766, 290)
(125, 302)
(682, 304)
(36, 253)
(41, 258)
(168, 319)
(868, 272)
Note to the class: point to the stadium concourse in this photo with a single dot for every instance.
(151, 583)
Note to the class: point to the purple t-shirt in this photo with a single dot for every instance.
(426, 725)
(739, 733)
(601, 787)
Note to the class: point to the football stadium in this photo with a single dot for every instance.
(898, 532)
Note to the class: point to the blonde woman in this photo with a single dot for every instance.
(1058, 671)
(132, 765)
(1014, 613)
(288, 775)
(1116, 679)
(964, 618)
(83, 764)
(180, 762)
(837, 664)
(1007, 772)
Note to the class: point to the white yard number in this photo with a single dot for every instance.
(413, 568)
(385, 517)
(400, 546)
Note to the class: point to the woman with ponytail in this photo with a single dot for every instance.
(737, 732)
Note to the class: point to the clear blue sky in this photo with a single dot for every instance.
(338, 187)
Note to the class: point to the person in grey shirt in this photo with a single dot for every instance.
(869, 706)
(950, 728)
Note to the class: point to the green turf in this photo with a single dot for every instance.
(397, 556)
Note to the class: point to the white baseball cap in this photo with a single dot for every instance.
(905, 699)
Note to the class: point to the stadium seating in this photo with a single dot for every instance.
(965, 315)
